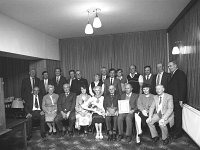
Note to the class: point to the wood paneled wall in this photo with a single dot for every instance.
(13, 71)
(90, 53)
(187, 30)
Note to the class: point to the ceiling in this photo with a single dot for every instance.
(67, 18)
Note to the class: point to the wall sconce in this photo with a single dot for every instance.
(176, 48)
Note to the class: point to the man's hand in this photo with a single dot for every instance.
(28, 115)
(148, 120)
(131, 112)
(144, 112)
(42, 113)
(162, 122)
(181, 103)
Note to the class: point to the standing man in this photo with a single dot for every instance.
(33, 110)
(58, 81)
(71, 77)
(104, 75)
(161, 111)
(28, 84)
(44, 83)
(177, 87)
(78, 83)
(161, 77)
(128, 117)
(112, 81)
(135, 80)
(66, 111)
(148, 76)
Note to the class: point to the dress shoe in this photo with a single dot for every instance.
(138, 140)
(64, 132)
(71, 133)
(114, 137)
(109, 137)
(50, 133)
(155, 139)
(166, 141)
(120, 137)
(54, 133)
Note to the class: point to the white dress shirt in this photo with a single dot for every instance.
(34, 98)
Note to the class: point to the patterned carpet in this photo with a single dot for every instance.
(81, 142)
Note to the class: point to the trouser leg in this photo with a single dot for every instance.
(108, 123)
(129, 124)
(58, 121)
(164, 131)
(120, 123)
(152, 127)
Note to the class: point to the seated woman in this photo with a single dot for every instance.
(96, 82)
(110, 104)
(49, 106)
(144, 102)
(83, 117)
(95, 104)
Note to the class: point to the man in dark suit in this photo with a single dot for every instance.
(177, 87)
(44, 83)
(71, 77)
(66, 110)
(33, 109)
(128, 117)
(28, 84)
(112, 81)
(103, 75)
(110, 105)
(58, 81)
(148, 76)
(78, 82)
(160, 78)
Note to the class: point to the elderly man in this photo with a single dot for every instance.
(33, 110)
(28, 84)
(103, 75)
(161, 111)
(110, 105)
(78, 83)
(128, 117)
(177, 87)
(66, 110)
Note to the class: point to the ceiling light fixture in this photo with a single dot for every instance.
(88, 28)
(176, 48)
(97, 21)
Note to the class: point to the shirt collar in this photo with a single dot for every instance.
(132, 75)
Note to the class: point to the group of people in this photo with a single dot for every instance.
(64, 104)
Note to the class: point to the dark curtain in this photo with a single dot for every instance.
(90, 53)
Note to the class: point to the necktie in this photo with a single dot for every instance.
(111, 81)
(36, 102)
(51, 100)
(158, 79)
(147, 77)
(159, 112)
(160, 100)
(57, 80)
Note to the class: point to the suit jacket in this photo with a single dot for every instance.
(47, 102)
(42, 86)
(149, 81)
(133, 100)
(66, 103)
(167, 107)
(116, 83)
(101, 79)
(108, 101)
(68, 80)
(76, 86)
(59, 86)
(164, 81)
(26, 88)
(177, 86)
(29, 103)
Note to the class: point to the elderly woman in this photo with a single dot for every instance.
(95, 104)
(49, 106)
(96, 82)
(83, 117)
(144, 102)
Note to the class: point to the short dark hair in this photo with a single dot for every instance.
(44, 72)
(58, 68)
(146, 86)
(119, 70)
(111, 69)
(84, 86)
(72, 71)
(147, 67)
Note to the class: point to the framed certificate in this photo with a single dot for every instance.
(123, 106)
